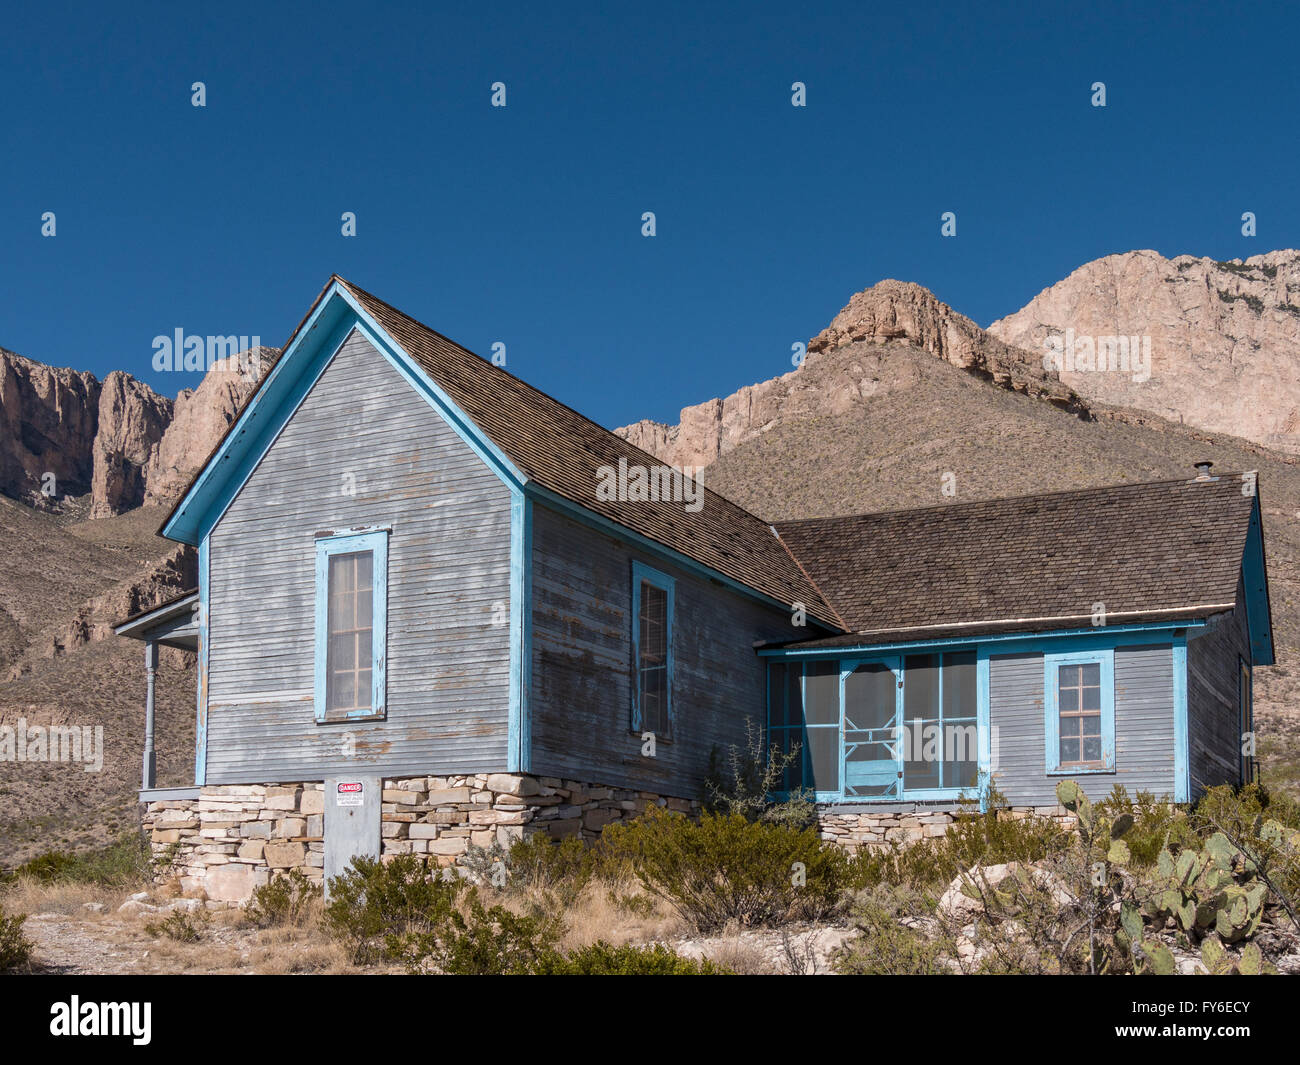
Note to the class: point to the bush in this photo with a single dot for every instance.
(123, 862)
(973, 839)
(483, 942)
(181, 925)
(562, 868)
(1156, 825)
(601, 959)
(887, 946)
(743, 782)
(374, 906)
(15, 948)
(727, 868)
(286, 900)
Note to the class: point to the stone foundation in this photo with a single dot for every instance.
(881, 827)
(234, 837)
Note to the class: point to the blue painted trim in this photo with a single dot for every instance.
(519, 730)
(1105, 657)
(1255, 579)
(341, 543)
(642, 572)
(201, 710)
(652, 547)
(983, 726)
(1182, 760)
(1009, 642)
(282, 392)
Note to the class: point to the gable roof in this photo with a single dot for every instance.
(1160, 551)
(558, 450)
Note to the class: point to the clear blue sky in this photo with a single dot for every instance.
(522, 225)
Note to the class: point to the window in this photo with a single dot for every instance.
(939, 730)
(652, 651)
(1246, 721)
(882, 728)
(1079, 699)
(351, 624)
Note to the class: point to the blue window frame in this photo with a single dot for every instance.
(351, 625)
(652, 651)
(1079, 704)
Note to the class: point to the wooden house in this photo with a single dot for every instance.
(424, 622)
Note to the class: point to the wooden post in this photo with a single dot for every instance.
(150, 671)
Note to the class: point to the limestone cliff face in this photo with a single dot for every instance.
(1224, 338)
(201, 418)
(131, 422)
(48, 419)
(118, 442)
(890, 313)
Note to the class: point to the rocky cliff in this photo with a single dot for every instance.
(1224, 338)
(889, 313)
(200, 420)
(69, 440)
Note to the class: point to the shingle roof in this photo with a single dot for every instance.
(1167, 550)
(561, 450)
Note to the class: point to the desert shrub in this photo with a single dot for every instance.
(15, 948)
(601, 959)
(125, 861)
(286, 900)
(563, 867)
(973, 839)
(727, 868)
(1157, 824)
(374, 906)
(743, 780)
(184, 926)
(892, 941)
(483, 941)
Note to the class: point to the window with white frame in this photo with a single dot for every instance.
(652, 651)
(351, 625)
(1079, 702)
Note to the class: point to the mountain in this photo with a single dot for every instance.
(1224, 338)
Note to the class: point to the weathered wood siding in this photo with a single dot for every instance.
(449, 565)
(582, 663)
(1213, 713)
(1144, 727)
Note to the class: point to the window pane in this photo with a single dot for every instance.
(349, 637)
(959, 685)
(1092, 748)
(1091, 674)
(824, 751)
(1068, 699)
(822, 694)
(921, 687)
(776, 695)
(1069, 749)
(652, 666)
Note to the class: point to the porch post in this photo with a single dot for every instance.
(150, 670)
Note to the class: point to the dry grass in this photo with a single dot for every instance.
(26, 895)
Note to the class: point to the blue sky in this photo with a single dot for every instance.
(523, 224)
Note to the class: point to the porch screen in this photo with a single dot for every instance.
(351, 618)
(939, 721)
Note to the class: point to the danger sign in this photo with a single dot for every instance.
(350, 793)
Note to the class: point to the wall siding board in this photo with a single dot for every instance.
(1144, 727)
(1213, 716)
(449, 564)
(582, 663)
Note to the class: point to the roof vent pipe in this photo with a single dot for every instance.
(1203, 471)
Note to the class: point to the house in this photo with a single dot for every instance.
(424, 623)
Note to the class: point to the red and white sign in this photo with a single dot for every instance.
(350, 793)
